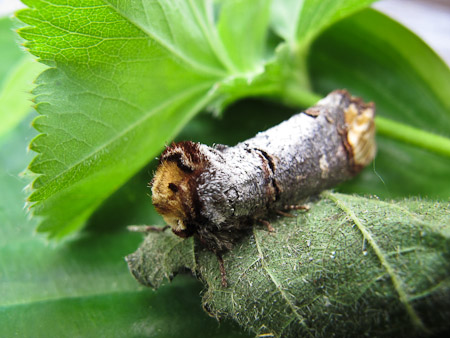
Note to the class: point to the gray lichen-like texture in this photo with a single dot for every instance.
(351, 266)
(293, 160)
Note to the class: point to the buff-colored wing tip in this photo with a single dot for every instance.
(360, 121)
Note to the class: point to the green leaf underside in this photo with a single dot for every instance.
(126, 76)
(349, 266)
(378, 59)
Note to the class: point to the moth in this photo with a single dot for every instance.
(218, 193)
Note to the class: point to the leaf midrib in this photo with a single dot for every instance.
(382, 257)
(172, 48)
(276, 282)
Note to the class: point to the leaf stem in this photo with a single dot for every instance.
(414, 136)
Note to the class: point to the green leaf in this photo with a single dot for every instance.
(113, 96)
(125, 77)
(302, 20)
(378, 59)
(130, 82)
(17, 72)
(82, 287)
(350, 266)
(246, 51)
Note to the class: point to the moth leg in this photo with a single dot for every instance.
(269, 226)
(223, 272)
(297, 207)
(147, 228)
(291, 207)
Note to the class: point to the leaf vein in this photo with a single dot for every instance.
(239, 279)
(275, 281)
(213, 41)
(171, 47)
(396, 281)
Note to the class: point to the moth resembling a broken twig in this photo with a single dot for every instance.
(218, 193)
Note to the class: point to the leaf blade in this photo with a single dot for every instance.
(245, 50)
(395, 278)
(302, 20)
(103, 105)
(194, 49)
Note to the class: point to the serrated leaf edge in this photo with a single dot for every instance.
(185, 94)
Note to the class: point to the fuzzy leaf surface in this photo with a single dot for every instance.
(349, 266)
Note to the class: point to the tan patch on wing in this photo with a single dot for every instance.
(361, 132)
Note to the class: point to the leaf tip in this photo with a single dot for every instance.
(21, 13)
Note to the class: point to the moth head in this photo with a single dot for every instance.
(174, 185)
